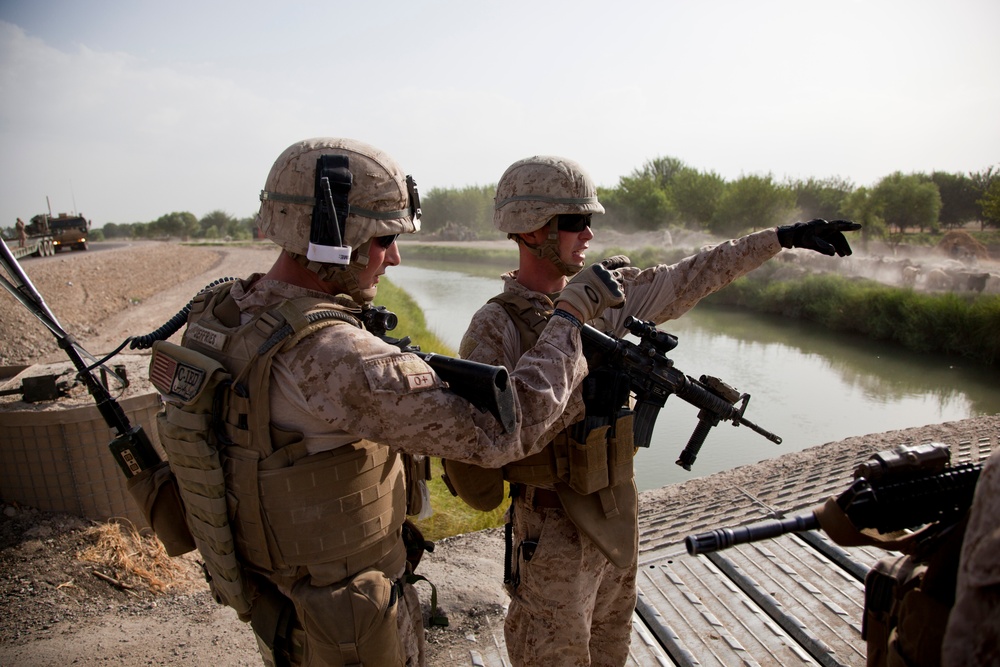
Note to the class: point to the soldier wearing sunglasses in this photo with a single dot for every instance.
(571, 557)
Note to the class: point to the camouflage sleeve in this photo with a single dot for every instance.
(666, 292)
(356, 386)
(491, 338)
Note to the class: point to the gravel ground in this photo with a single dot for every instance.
(64, 599)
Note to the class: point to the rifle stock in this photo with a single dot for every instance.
(486, 387)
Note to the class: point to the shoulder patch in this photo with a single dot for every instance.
(173, 377)
(400, 374)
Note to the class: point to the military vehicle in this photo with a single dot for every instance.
(67, 231)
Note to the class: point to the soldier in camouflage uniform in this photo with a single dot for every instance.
(313, 480)
(22, 237)
(572, 562)
(972, 636)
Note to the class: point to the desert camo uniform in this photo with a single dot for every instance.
(341, 384)
(572, 605)
(571, 562)
(285, 419)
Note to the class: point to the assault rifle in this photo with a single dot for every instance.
(645, 371)
(907, 487)
(131, 447)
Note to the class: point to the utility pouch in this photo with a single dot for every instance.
(155, 492)
(621, 451)
(188, 381)
(588, 462)
(418, 497)
(350, 625)
(883, 588)
(903, 624)
(480, 488)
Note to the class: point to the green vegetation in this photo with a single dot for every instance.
(666, 193)
(432, 253)
(966, 325)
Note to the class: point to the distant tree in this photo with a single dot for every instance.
(112, 230)
(990, 204)
(821, 198)
(860, 207)
(662, 171)
(907, 202)
(221, 222)
(752, 202)
(177, 224)
(247, 227)
(638, 203)
(958, 198)
(96, 235)
(470, 207)
(696, 195)
(983, 182)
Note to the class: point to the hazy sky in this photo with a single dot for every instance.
(126, 110)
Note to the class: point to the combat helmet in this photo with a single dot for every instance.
(325, 199)
(536, 189)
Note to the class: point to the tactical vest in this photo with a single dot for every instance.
(255, 499)
(592, 474)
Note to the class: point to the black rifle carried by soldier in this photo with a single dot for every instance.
(909, 499)
(621, 367)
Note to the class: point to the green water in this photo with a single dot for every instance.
(806, 385)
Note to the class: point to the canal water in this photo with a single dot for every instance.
(807, 385)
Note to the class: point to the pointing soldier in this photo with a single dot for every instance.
(573, 554)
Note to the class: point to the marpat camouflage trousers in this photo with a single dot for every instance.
(571, 605)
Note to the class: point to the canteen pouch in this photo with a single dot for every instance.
(350, 624)
(155, 491)
(588, 462)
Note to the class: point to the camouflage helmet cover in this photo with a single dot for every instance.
(534, 189)
(380, 199)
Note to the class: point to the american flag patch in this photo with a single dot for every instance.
(161, 372)
(175, 378)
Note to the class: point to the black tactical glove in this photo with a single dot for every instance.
(819, 235)
(592, 291)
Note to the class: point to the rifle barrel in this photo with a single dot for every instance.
(723, 538)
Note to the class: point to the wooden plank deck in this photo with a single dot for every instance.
(793, 600)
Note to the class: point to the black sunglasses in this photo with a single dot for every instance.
(573, 222)
(386, 241)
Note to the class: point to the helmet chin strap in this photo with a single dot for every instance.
(549, 249)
